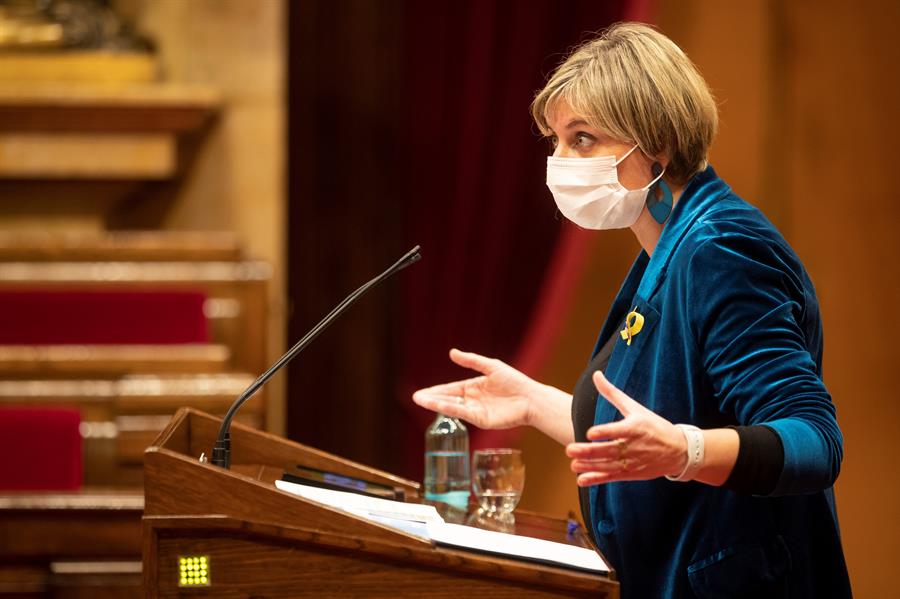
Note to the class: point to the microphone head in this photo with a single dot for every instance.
(411, 256)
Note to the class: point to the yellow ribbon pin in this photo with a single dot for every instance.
(634, 322)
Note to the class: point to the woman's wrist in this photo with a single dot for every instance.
(692, 456)
(706, 456)
(549, 410)
(721, 450)
(532, 407)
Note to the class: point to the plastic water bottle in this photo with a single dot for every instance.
(447, 462)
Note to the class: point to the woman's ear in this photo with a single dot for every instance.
(662, 158)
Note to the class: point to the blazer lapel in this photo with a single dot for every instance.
(625, 355)
(622, 304)
(701, 194)
(644, 280)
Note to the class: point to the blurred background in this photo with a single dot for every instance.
(188, 186)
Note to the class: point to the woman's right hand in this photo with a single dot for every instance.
(499, 398)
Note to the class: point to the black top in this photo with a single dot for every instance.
(584, 405)
(584, 399)
(759, 462)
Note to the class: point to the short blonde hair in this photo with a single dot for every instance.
(636, 85)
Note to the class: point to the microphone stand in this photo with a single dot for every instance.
(221, 453)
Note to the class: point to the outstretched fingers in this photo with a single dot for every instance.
(596, 465)
(601, 478)
(477, 362)
(605, 466)
(445, 404)
(614, 395)
(595, 451)
(611, 430)
(451, 389)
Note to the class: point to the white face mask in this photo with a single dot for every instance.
(587, 191)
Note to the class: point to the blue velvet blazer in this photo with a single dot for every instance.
(731, 336)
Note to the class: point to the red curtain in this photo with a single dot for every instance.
(477, 201)
(409, 124)
(567, 265)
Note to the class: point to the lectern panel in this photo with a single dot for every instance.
(256, 540)
(241, 567)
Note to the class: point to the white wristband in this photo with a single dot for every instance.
(695, 453)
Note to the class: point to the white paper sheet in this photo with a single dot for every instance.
(354, 502)
(416, 529)
(425, 522)
(517, 546)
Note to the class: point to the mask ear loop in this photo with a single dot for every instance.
(659, 196)
(626, 155)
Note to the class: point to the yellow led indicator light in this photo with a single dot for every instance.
(193, 571)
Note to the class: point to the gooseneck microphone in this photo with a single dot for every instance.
(221, 454)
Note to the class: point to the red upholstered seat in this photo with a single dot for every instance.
(49, 317)
(40, 449)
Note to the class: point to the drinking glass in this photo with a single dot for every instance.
(498, 477)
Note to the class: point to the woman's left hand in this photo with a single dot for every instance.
(641, 446)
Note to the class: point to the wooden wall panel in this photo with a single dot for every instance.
(843, 199)
(237, 180)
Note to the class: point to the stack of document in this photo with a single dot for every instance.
(424, 521)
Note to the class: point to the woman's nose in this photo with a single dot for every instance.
(560, 151)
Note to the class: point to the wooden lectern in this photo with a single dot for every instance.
(258, 541)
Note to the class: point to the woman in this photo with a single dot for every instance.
(704, 439)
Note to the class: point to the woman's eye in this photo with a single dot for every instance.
(554, 141)
(583, 140)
